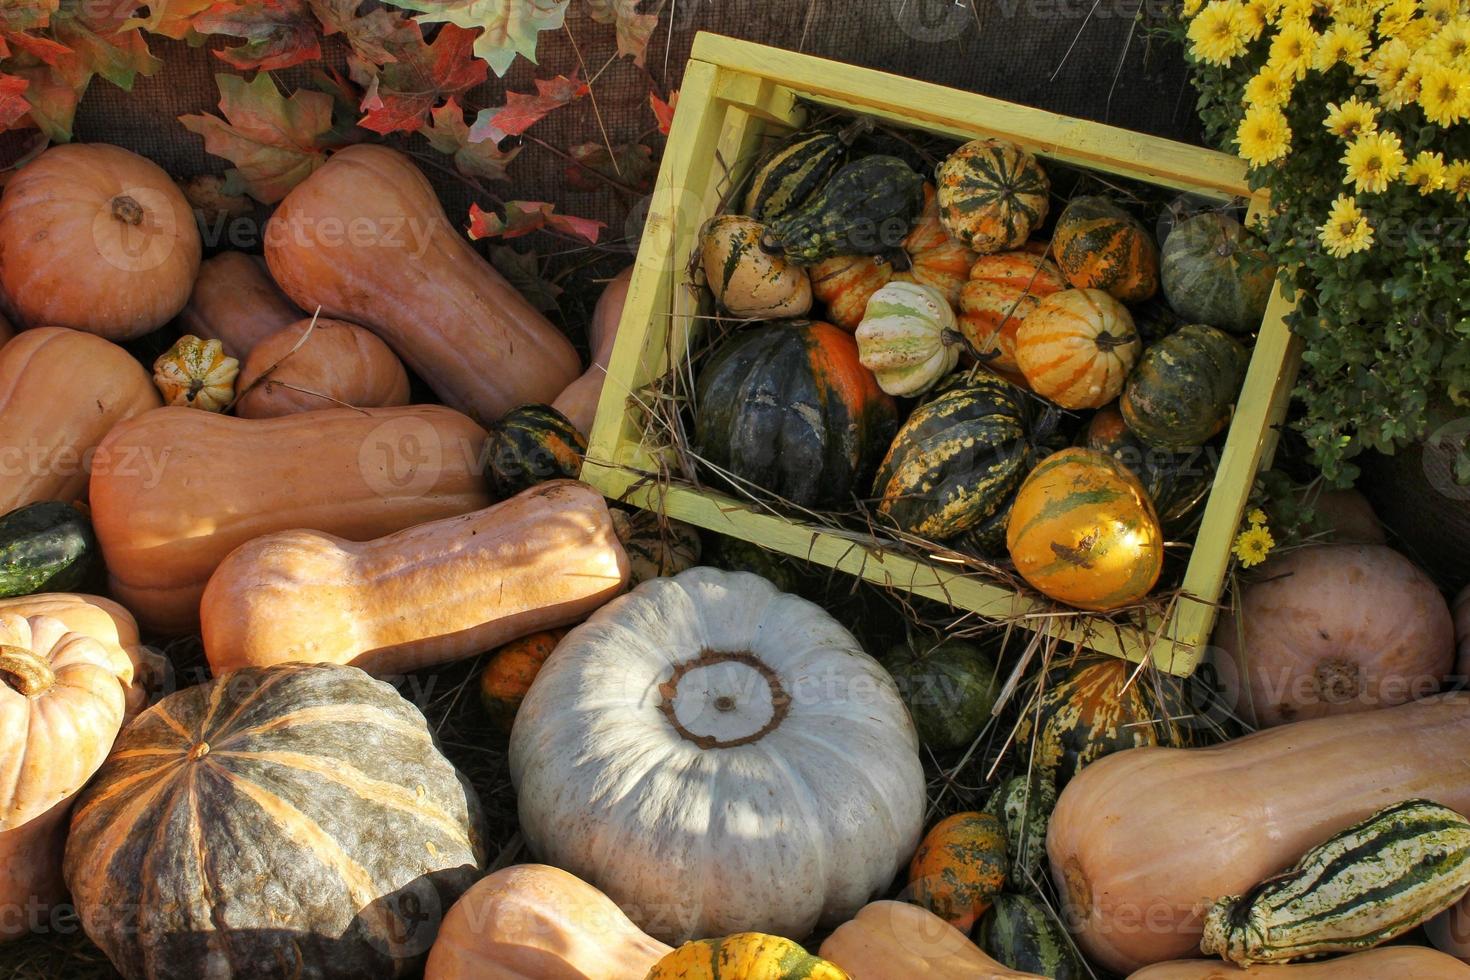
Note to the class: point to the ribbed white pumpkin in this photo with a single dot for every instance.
(902, 338)
(719, 757)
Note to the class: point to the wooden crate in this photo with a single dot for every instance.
(735, 94)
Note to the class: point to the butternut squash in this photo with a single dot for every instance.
(366, 239)
(1388, 963)
(1143, 841)
(423, 596)
(338, 365)
(236, 302)
(899, 941)
(197, 485)
(579, 401)
(534, 922)
(60, 392)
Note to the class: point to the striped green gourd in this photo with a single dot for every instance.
(793, 174)
(530, 445)
(1024, 936)
(45, 547)
(1024, 805)
(1368, 884)
(1181, 392)
(1216, 272)
(867, 208)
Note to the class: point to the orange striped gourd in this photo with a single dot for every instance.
(1002, 291)
(992, 194)
(959, 868)
(1099, 245)
(1077, 348)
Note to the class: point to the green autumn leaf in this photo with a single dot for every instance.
(25, 15)
(448, 133)
(274, 142)
(53, 94)
(101, 43)
(510, 27)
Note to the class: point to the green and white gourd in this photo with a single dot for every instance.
(1024, 804)
(1368, 884)
(906, 338)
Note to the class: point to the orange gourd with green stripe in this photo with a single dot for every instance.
(744, 956)
(508, 676)
(1003, 289)
(1098, 245)
(959, 868)
(992, 194)
(1083, 531)
(1077, 347)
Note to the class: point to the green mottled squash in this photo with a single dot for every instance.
(1098, 245)
(907, 338)
(992, 195)
(1177, 483)
(1023, 935)
(1182, 390)
(1365, 885)
(744, 956)
(789, 408)
(959, 868)
(745, 281)
(46, 547)
(657, 546)
(956, 460)
(1024, 804)
(1216, 272)
(793, 174)
(949, 687)
(530, 445)
(866, 208)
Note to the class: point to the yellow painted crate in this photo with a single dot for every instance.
(735, 95)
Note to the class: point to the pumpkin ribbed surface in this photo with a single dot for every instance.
(1177, 483)
(657, 546)
(196, 373)
(1098, 245)
(507, 677)
(992, 194)
(1024, 936)
(292, 821)
(904, 338)
(745, 956)
(959, 868)
(1003, 289)
(1214, 271)
(1077, 347)
(530, 445)
(1184, 386)
(845, 283)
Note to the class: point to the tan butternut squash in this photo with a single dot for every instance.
(1143, 841)
(366, 239)
(579, 401)
(236, 302)
(899, 941)
(1388, 963)
(338, 365)
(423, 596)
(534, 922)
(197, 485)
(61, 391)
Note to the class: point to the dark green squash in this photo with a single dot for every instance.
(530, 445)
(1098, 245)
(957, 459)
(784, 572)
(1023, 805)
(1024, 936)
(46, 547)
(1183, 388)
(1177, 483)
(1216, 272)
(867, 208)
(288, 821)
(789, 408)
(950, 688)
(793, 174)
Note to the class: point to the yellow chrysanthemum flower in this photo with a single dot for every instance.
(1253, 545)
(1441, 10)
(1191, 7)
(1263, 135)
(1347, 230)
(1341, 44)
(1351, 119)
(1457, 179)
(1395, 16)
(1217, 33)
(1444, 94)
(1372, 161)
(1386, 70)
(1256, 516)
(1269, 87)
(1293, 48)
(1359, 15)
(1451, 44)
(1426, 172)
(1296, 10)
(1254, 18)
(1419, 31)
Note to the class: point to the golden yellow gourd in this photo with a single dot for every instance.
(744, 956)
(196, 373)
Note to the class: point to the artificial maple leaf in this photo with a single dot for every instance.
(277, 33)
(523, 271)
(53, 93)
(13, 104)
(345, 102)
(170, 18)
(628, 163)
(521, 111)
(510, 26)
(42, 48)
(634, 29)
(26, 15)
(448, 133)
(371, 36)
(95, 35)
(524, 217)
(419, 77)
(274, 142)
(664, 111)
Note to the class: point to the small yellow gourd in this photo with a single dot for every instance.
(746, 281)
(744, 956)
(196, 373)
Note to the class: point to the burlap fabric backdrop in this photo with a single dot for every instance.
(1078, 57)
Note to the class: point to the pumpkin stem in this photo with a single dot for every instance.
(24, 671)
(1107, 342)
(127, 210)
(669, 694)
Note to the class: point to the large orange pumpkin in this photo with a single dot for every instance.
(1083, 531)
(96, 238)
(1002, 291)
(1077, 348)
(1099, 245)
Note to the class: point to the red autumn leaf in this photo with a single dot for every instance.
(372, 36)
(42, 48)
(53, 94)
(448, 133)
(524, 217)
(628, 163)
(634, 29)
(521, 112)
(277, 33)
(26, 15)
(95, 36)
(419, 77)
(13, 104)
(664, 111)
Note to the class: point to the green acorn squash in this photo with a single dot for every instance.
(1024, 936)
(992, 195)
(789, 408)
(867, 208)
(1178, 483)
(1215, 272)
(949, 688)
(1098, 245)
(1182, 390)
(46, 547)
(793, 174)
(530, 445)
